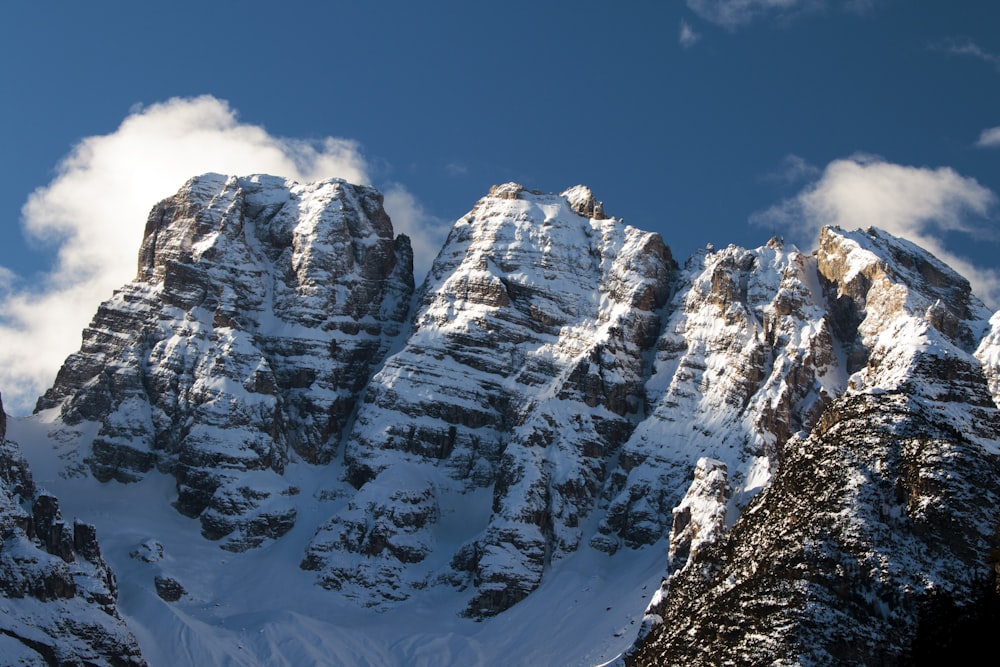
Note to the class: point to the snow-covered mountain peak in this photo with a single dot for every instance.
(558, 408)
(259, 307)
(583, 201)
(533, 314)
(883, 276)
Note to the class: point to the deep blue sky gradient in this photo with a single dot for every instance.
(550, 94)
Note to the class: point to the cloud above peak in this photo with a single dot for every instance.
(917, 203)
(94, 210)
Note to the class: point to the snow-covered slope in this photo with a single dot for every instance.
(59, 595)
(746, 359)
(503, 467)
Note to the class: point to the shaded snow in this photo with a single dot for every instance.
(253, 609)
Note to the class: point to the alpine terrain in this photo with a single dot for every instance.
(562, 448)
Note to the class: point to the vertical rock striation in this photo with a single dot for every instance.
(811, 440)
(524, 371)
(746, 359)
(259, 309)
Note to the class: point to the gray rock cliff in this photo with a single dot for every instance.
(57, 594)
(802, 436)
(883, 515)
(523, 373)
(259, 309)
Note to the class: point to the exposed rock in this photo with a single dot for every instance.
(168, 589)
(745, 360)
(988, 354)
(59, 595)
(149, 551)
(700, 519)
(883, 516)
(801, 435)
(524, 370)
(867, 521)
(259, 309)
(362, 550)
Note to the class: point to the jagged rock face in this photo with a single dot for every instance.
(746, 359)
(700, 518)
(799, 434)
(884, 515)
(871, 278)
(259, 309)
(58, 593)
(867, 523)
(988, 354)
(524, 370)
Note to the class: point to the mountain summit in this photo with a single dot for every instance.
(803, 448)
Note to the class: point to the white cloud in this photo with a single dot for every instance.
(793, 169)
(95, 209)
(688, 37)
(427, 233)
(916, 203)
(989, 138)
(735, 13)
(966, 47)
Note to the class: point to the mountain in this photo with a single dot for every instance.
(258, 310)
(876, 541)
(59, 594)
(505, 463)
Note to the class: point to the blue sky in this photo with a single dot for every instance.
(721, 121)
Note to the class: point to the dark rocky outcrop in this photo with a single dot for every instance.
(59, 594)
(878, 518)
(168, 588)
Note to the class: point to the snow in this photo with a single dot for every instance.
(746, 337)
(259, 608)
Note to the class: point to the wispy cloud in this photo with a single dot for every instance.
(917, 203)
(989, 138)
(735, 13)
(792, 169)
(94, 211)
(688, 37)
(427, 232)
(456, 169)
(967, 47)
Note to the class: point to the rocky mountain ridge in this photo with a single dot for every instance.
(558, 384)
(875, 542)
(59, 595)
(258, 309)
